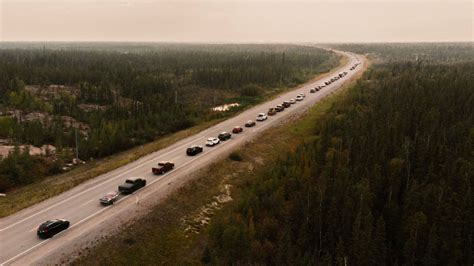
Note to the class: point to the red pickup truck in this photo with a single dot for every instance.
(162, 168)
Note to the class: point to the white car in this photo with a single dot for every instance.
(261, 117)
(302, 95)
(299, 98)
(292, 101)
(212, 142)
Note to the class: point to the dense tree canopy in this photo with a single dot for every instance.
(401, 52)
(123, 95)
(388, 181)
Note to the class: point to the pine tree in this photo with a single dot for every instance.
(380, 243)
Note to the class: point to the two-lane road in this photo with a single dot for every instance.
(18, 231)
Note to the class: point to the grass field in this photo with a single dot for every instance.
(162, 237)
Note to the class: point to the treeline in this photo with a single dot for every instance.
(401, 52)
(125, 95)
(71, 65)
(387, 179)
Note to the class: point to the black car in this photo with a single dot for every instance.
(279, 108)
(193, 150)
(52, 227)
(250, 123)
(224, 136)
(286, 104)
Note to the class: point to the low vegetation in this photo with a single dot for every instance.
(235, 156)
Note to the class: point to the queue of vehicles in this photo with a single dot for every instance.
(53, 227)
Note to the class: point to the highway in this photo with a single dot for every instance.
(19, 244)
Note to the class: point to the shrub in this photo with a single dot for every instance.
(235, 156)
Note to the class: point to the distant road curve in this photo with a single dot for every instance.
(19, 244)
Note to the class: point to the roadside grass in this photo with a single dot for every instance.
(34, 193)
(160, 237)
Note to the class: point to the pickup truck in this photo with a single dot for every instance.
(162, 168)
(131, 185)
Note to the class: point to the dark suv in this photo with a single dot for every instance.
(193, 150)
(50, 228)
(224, 136)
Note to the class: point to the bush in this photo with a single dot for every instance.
(235, 156)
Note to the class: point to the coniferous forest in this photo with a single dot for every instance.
(387, 178)
(111, 97)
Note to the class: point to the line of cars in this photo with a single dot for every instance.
(335, 78)
(354, 66)
(281, 107)
(135, 183)
(52, 227)
(223, 136)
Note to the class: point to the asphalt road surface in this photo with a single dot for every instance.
(18, 241)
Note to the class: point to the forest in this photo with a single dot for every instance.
(386, 179)
(402, 52)
(111, 97)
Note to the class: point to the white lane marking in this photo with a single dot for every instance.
(93, 214)
(87, 202)
(24, 252)
(103, 209)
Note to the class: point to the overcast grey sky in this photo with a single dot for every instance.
(236, 21)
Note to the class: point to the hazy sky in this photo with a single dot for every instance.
(236, 21)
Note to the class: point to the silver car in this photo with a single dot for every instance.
(109, 198)
(212, 142)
